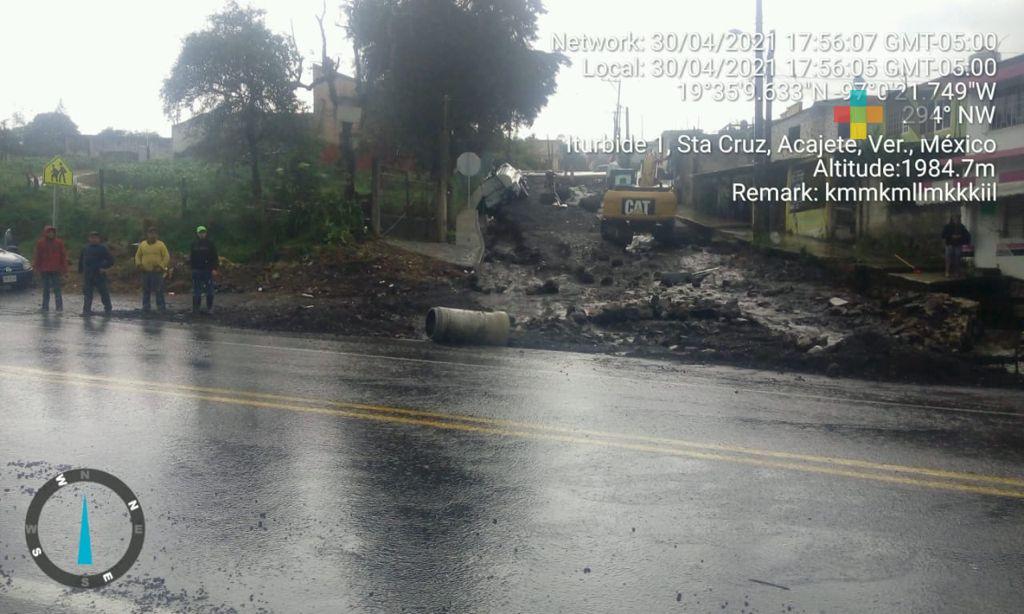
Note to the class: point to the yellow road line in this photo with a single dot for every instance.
(90, 381)
(663, 441)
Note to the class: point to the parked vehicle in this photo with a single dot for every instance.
(15, 269)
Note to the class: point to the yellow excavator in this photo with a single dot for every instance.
(631, 204)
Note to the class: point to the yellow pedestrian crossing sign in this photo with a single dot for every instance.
(58, 173)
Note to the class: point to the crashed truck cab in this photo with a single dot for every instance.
(628, 209)
(506, 184)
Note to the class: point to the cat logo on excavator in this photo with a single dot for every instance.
(628, 208)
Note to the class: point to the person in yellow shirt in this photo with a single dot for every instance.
(153, 259)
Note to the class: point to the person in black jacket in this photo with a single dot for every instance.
(955, 236)
(93, 262)
(204, 262)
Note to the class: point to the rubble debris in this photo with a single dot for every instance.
(670, 279)
(550, 286)
(753, 309)
(778, 290)
(583, 275)
(937, 321)
(591, 203)
(640, 243)
(549, 198)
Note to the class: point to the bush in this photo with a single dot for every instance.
(306, 207)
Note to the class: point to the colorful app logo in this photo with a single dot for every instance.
(855, 119)
(132, 512)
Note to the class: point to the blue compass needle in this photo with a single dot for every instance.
(84, 541)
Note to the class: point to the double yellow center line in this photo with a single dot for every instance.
(770, 459)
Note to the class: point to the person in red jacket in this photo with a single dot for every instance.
(51, 260)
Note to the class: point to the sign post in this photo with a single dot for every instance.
(57, 173)
(468, 165)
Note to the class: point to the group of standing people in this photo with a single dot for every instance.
(152, 259)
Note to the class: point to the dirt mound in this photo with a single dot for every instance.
(874, 355)
(367, 289)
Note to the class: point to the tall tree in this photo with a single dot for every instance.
(239, 74)
(410, 54)
(6, 139)
(47, 133)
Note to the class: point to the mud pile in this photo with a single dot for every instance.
(710, 301)
(934, 321)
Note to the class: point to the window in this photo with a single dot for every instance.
(1009, 106)
(793, 133)
(929, 109)
(894, 113)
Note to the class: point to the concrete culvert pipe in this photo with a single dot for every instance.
(463, 326)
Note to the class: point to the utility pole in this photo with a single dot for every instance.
(770, 76)
(616, 131)
(758, 79)
(759, 217)
(442, 182)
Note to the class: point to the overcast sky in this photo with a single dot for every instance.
(106, 59)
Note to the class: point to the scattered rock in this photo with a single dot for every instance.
(584, 276)
(778, 290)
(674, 278)
(640, 244)
(804, 343)
(549, 286)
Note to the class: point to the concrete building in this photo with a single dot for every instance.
(703, 180)
(186, 134)
(997, 228)
(817, 219)
(330, 123)
(120, 147)
(329, 119)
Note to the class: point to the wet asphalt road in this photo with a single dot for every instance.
(285, 474)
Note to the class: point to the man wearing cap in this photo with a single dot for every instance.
(204, 262)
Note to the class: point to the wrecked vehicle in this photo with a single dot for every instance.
(505, 184)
